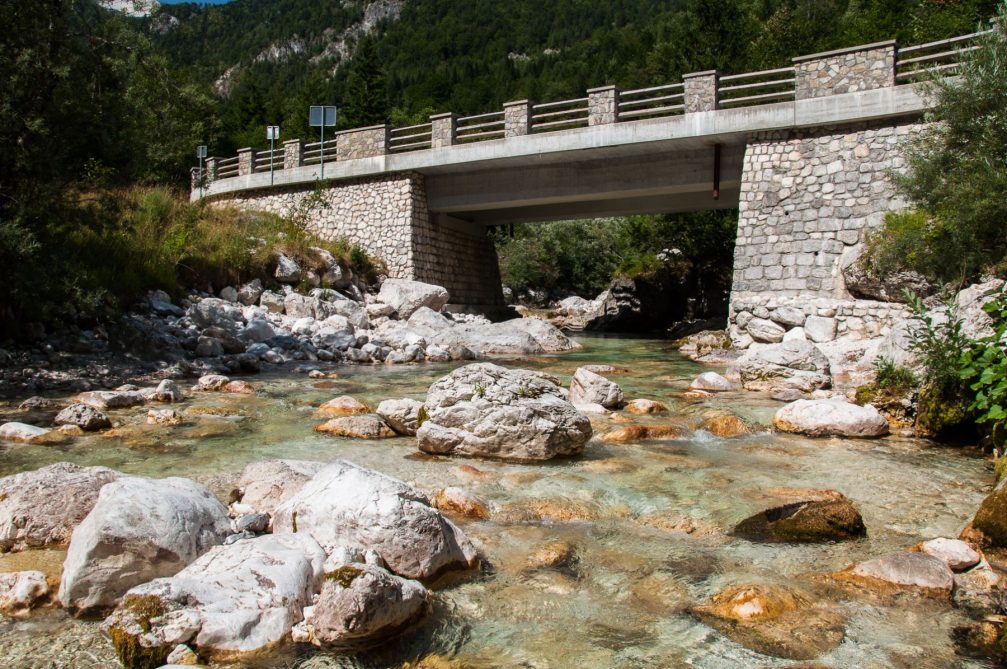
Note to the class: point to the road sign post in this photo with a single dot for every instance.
(322, 117)
(201, 154)
(272, 134)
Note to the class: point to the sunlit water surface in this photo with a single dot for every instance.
(601, 611)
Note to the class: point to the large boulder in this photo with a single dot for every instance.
(265, 485)
(367, 426)
(990, 522)
(236, 599)
(403, 415)
(816, 520)
(969, 303)
(42, 507)
(25, 433)
(863, 282)
(363, 604)
(83, 416)
(765, 330)
(348, 506)
(111, 399)
(908, 570)
(484, 410)
(138, 530)
(586, 387)
(520, 336)
(832, 417)
(793, 364)
(214, 312)
(407, 296)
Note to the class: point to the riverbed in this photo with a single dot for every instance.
(622, 600)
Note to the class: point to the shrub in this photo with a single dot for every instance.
(892, 376)
(984, 369)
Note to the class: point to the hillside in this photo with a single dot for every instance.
(404, 59)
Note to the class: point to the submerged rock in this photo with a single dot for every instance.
(805, 521)
(348, 506)
(138, 530)
(726, 426)
(24, 433)
(367, 426)
(905, 571)
(234, 600)
(833, 417)
(461, 502)
(42, 507)
(586, 387)
(633, 433)
(343, 406)
(642, 406)
(484, 410)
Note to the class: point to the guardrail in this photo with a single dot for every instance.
(811, 76)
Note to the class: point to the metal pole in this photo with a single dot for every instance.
(272, 142)
(323, 145)
(201, 176)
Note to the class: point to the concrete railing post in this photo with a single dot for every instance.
(293, 153)
(362, 142)
(517, 118)
(443, 130)
(850, 70)
(246, 161)
(701, 91)
(602, 105)
(210, 170)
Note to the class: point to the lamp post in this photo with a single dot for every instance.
(320, 117)
(201, 154)
(272, 134)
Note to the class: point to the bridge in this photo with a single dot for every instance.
(804, 152)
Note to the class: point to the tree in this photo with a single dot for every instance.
(366, 101)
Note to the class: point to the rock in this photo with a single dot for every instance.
(163, 417)
(546, 335)
(553, 555)
(461, 502)
(711, 382)
(484, 410)
(978, 591)
(832, 417)
(287, 271)
(239, 387)
(348, 506)
(264, 485)
(111, 399)
(403, 415)
(168, 391)
(211, 383)
(257, 330)
(773, 620)
(183, 656)
(703, 344)
(907, 570)
(792, 364)
(24, 433)
(407, 296)
(862, 282)
(956, 554)
(343, 406)
(797, 333)
(990, 521)
(214, 312)
(635, 433)
(789, 317)
(250, 292)
(366, 426)
(642, 406)
(765, 330)
(252, 522)
(209, 347)
(361, 605)
(228, 294)
(42, 507)
(820, 329)
(234, 600)
(726, 426)
(37, 403)
(22, 591)
(808, 521)
(969, 303)
(590, 388)
(574, 313)
(272, 302)
(83, 416)
(138, 530)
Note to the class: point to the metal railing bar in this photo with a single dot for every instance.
(559, 103)
(783, 95)
(413, 145)
(476, 126)
(943, 42)
(410, 127)
(569, 121)
(647, 101)
(668, 110)
(401, 138)
(762, 73)
(652, 89)
(756, 85)
(463, 119)
(565, 112)
(936, 56)
(486, 133)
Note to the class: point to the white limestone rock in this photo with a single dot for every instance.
(483, 410)
(83, 416)
(215, 312)
(42, 507)
(789, 317)
(908, 570)
(955, 553)
(797, 333)
(250, 292)
(168, 391)
(793, 364)
(22, 591)
(765, 330)
(234, 600)
(830, 417)
(265, 485)
(820, 329)
(287, 270)
(23, 433)
(711, 382)
(403, 415)
(407, 296)
(138, 530)
(348, 506)
(586, 387)
(111, 399)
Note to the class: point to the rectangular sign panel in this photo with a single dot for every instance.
(321, 116)
(272, 132)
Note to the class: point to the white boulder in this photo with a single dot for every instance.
(831, 417)
(586, 387)
(407, 296)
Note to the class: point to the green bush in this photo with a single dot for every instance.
(984, 369)
(892, 376)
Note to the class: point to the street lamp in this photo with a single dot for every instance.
(201, 154)
(320, 117)
(272, 134)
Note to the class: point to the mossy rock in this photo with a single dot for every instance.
(943, 418)
(804, 522)
(132, 655)
(991, 518)
(344, 576)
(1000, 469)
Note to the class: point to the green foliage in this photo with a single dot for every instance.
(984, 368)
(892, 376)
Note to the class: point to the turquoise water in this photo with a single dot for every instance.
(621, 602)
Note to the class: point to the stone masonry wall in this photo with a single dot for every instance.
(807, 197)
(388, 217)
(846, 72)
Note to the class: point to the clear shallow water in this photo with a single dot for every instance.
(620, 604)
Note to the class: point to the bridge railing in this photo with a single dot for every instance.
(859, 68)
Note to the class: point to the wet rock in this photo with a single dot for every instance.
(346, 505)
(711, 382)
(989, 526)
(956, 554)
(361, 605)
(403, 415)
(808, 521)
(586, 387)
(553, 555)
(239, 387)
(662, 593)
(407, 296)
(903, 571)
(83, 416)
(138, 530)
(679, 523)
(37, 403)
(168, 391)
(211, 383)
(343, 406)
(604, 369)
(635, 433)
(484, 410)
(287, 271)
(23, 433)
(773, 620)
(726, 426)
(42, 507)
(642, 406)
(264, 485)
(461, 502)
(22, 591)
(555, 510)
(367, 426)
(792, 364)
(979, 591)
(234, 600)
(832, 417)
(111, 399)
(163, 417)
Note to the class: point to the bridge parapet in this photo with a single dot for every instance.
(859, 68)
